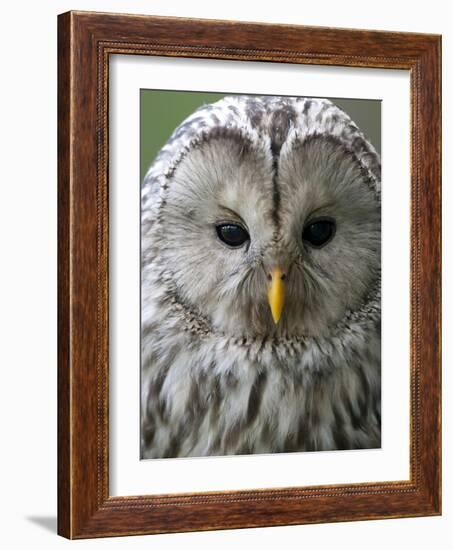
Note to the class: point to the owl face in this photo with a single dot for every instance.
(269, 220)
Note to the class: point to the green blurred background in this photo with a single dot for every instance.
(161, 111)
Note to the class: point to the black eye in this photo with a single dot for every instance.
(319, 232)
(232, 234)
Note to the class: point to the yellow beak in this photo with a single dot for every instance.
(276, 293)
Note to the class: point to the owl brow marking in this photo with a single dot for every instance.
(233, 214)
(279, 127)
(275, 195)
(323, 208)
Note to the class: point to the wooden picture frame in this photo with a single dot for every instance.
(85, 42)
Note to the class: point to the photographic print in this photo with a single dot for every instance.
(260, 275)
(219, 298)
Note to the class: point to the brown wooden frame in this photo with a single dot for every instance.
(85, 42)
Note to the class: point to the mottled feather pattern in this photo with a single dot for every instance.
(218, 377)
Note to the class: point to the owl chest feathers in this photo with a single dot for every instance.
(214, 396)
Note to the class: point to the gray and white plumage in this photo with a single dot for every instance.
(219, 376)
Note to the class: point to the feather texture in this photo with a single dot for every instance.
(218, 376)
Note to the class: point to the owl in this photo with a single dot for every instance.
(261, 283)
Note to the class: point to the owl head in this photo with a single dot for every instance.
(261, 216)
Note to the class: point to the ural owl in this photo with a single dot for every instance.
(261, 283)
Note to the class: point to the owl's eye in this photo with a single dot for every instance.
(319, 232)
(232, 234)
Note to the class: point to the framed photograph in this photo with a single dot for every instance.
(249, 275)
